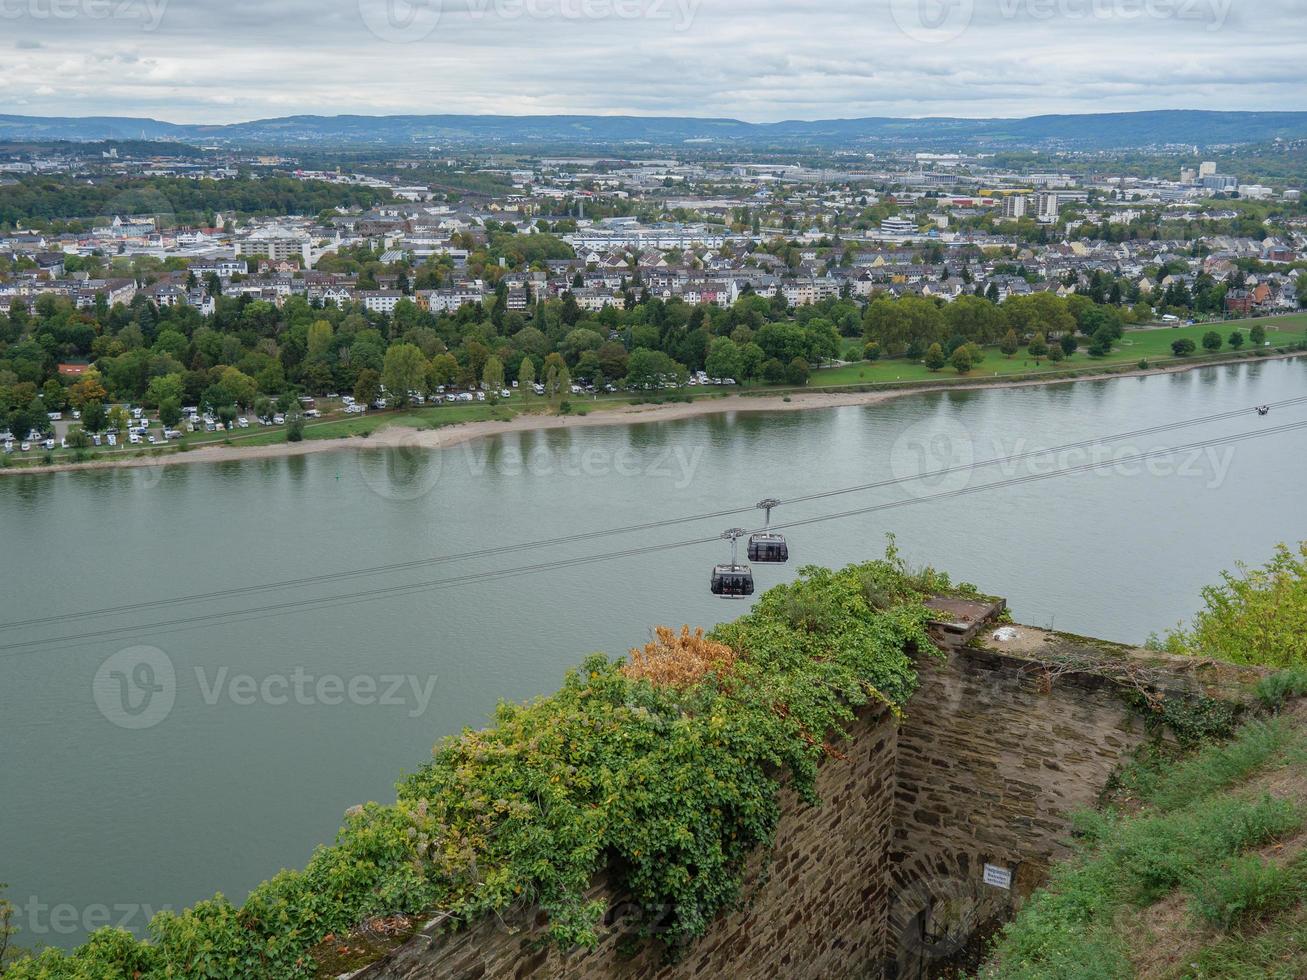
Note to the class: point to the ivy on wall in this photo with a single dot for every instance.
(670, 786)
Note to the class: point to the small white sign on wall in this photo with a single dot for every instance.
(998, 877)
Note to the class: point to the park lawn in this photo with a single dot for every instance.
(1152, 345)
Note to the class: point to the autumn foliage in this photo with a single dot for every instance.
(678, 660)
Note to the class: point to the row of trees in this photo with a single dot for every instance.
(251, 350)
(911, 325)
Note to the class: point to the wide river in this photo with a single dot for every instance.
(143, 768)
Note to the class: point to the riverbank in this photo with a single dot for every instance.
(588, 415)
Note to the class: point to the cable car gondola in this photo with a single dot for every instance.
(765, 547)
(1264, 410)
(733, 581)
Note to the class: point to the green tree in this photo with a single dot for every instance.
(935, 357)
(320, 339)
(240, 387)
(404, 371)
(1038, 347)
(367, 387)
(1257, 335)
(526, 377)
(1183, 347)
(1212, 341)
(963, 359)
(613, 359)
(1236, 339)
(170, 412)
(443, 370)
(650, 368)
(558, 380)
(724, 359)
(94, 416)
(1009, 345)
(1102, 342)
(167, 387)
(492, 375)
(797, 372)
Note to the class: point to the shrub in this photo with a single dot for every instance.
(1275, 690)
(1255, 616)
(1244, 889)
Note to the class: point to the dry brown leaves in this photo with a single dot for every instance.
(678, 660)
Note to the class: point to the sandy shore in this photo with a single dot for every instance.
(454, 435)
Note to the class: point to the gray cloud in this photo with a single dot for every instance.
(763, 60)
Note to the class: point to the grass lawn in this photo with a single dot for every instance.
(1196, 868)
(1153, 345)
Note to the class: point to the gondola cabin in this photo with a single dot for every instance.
(732, 581)
(768, 549)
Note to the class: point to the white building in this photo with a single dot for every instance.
(380, 300)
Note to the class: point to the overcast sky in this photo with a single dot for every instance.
(759, 60)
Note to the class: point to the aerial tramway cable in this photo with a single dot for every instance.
(610, 532)
(182, 623)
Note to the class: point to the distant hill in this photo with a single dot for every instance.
(1093, 131)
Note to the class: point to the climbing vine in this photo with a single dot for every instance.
(669, 785)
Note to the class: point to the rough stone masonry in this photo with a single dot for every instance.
(931, 831)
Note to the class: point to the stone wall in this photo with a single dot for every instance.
(887, 877)
(994, 754)
(815, 911)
